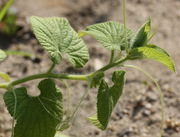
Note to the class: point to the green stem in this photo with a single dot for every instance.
(124, 12)
(160, 92)
(48, 75)
(113, 64)
(51, 68)
(112, 57)
(79, 104)
(68, 108)
(60, 76)
(124, 22)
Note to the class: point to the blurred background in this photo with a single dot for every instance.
(138, 111)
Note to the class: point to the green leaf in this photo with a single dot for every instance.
(2, 55)
(104, 105)
(117, 88)
(5, 8)
(141, 36)
(110, 34)
(58, 38)
(158, 48)
(5, 76)
(154, 53)
(36, 116)
(107, 99)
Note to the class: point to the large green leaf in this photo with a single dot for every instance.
(107, 99)
(111, 35)
(36, 116)
(2, 55)
(155, 53)
(58, 38)
(141, 36)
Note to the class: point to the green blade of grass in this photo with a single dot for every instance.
(5, 8)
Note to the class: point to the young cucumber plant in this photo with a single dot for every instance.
(42, 116)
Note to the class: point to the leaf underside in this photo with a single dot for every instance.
(111, 35)
(107, 99)
(36, 116)
(155, 53)
(58, 37)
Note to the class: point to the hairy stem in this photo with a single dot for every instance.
(60, 76)
(160, 92)
(112, 57)
(79, 104)
(124, 12)
(113, 64)
(51, 68)
(124, 22)
(68, 108)
(48, 75)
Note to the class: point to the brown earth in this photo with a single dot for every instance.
(138, 111)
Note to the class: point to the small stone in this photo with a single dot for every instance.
(151, 97)
(148, 106)
(146, 112)
(97, 64)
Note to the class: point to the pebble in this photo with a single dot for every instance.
(146, 112)
(148, 106)
(97, 64)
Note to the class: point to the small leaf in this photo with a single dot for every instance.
(36, 116)
(2, 55)
(107, 99)
(154, 53)
(58, 38)
(5, 76)
(141, 36)
(110, 34)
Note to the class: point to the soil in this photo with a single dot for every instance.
(138, 111)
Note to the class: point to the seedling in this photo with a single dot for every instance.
(8, 19)
(42, 116)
